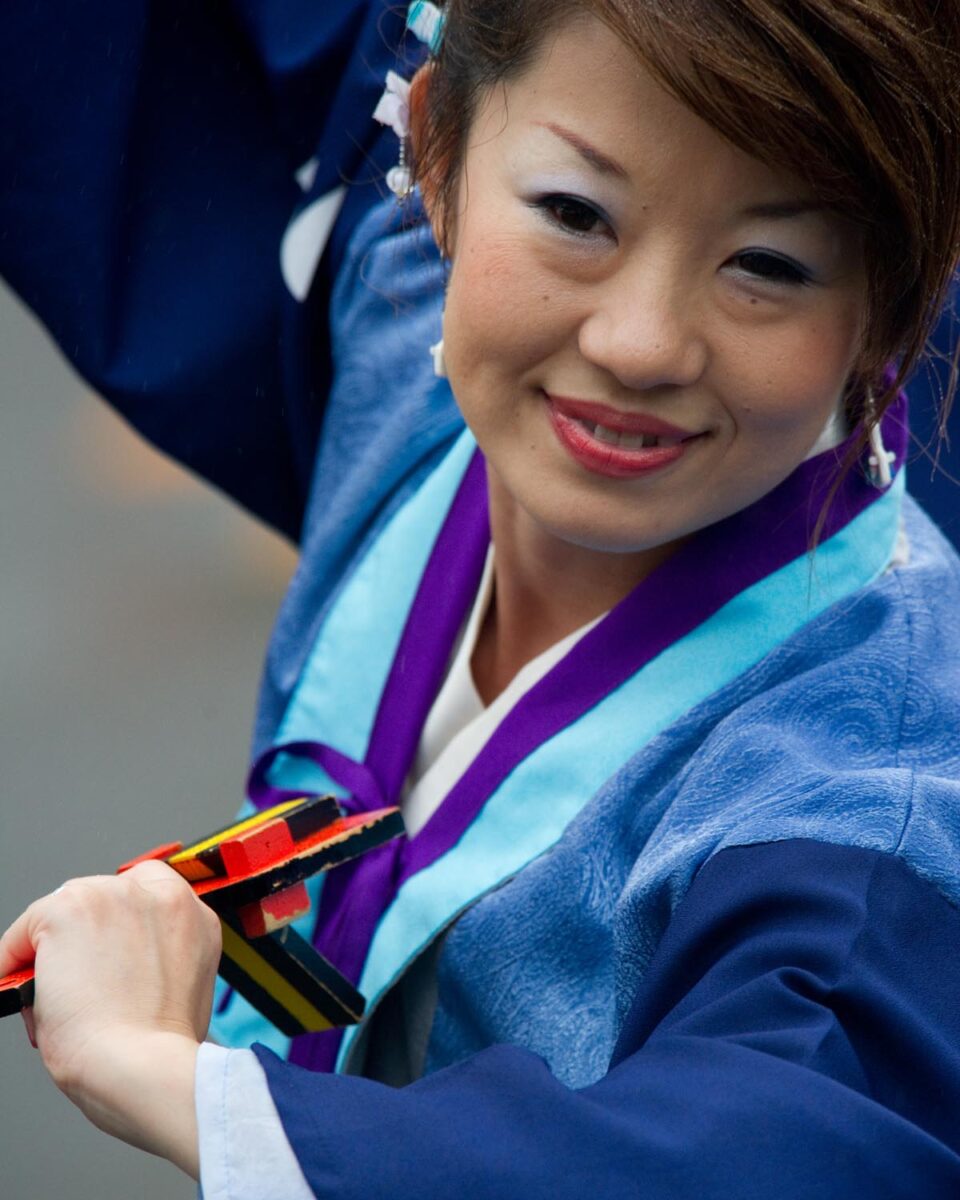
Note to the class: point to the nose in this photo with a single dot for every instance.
(643, 328)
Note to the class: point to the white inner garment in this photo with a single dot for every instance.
(833, 433)
(458, 726)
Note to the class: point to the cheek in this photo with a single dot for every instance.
(499, 300)
(794, 378)
(487, 262)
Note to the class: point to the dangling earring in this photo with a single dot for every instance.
(439, 362)
(881, 459)
(400, 177)
(393, 109)
(436, 350)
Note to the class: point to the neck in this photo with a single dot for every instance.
(544, 589)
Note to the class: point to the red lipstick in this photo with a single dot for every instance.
(610, 442)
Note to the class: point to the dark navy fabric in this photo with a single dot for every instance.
(797, 1035)
(934, 475)
(147, 156)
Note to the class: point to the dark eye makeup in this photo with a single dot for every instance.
(580, 218)
(771, 268)
(571, 214)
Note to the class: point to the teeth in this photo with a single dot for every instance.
(628, 441)
(603, 434)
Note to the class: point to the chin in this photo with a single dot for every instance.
(614, 539)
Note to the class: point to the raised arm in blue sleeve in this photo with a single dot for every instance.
(147, 159)
(797, 1036)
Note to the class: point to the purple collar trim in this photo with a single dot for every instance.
(714, 566)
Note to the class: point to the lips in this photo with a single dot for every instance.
(610, 442)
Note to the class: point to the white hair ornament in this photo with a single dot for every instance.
(425, 22)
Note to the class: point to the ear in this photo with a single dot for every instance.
(430, 168)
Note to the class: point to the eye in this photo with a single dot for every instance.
(771, 268)
(572, 215)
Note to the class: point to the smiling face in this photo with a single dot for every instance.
(646, 329)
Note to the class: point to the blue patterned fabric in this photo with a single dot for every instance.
(848, 733)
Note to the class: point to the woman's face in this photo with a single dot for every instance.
(646, 329)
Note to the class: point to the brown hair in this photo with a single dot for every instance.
(858, 97)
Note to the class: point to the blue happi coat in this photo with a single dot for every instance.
(699, 941)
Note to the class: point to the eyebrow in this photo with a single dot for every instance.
(784, 209)
(605, 165)
(776, 209)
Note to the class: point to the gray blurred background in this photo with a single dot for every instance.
(134, 608)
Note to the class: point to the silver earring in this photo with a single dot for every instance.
(439, 362)
(425, 21)
(881, 459)
(393, 109)
(400, 177)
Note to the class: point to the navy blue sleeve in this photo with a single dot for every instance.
(797, 1036)
(147, 157)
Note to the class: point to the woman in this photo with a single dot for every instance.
(675, 908)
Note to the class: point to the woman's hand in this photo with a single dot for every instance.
(124, 980)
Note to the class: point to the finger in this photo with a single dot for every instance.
(165, 884)
(167, 887)
(18, 942)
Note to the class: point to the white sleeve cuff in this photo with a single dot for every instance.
(244, 1153)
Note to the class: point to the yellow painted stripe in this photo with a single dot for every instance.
(232, 830)
(246, 957)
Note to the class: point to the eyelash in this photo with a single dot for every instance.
(777, 269)
(551, 206)
(760, 265)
